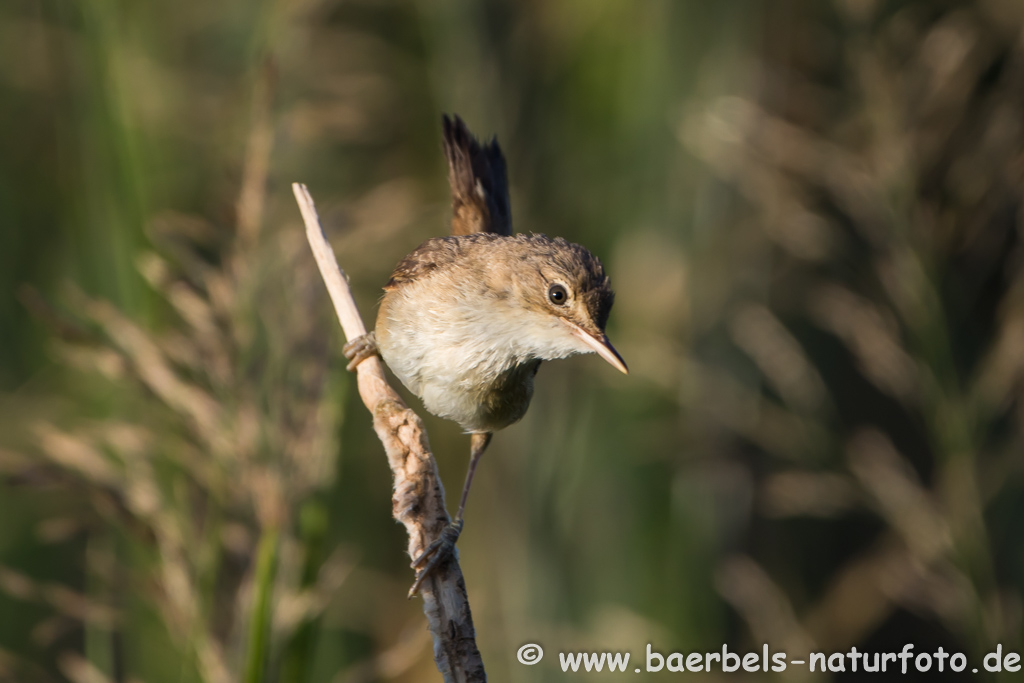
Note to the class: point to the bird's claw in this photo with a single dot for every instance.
(359, 349)
(435, 554)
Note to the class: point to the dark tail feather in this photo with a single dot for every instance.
(478, 180)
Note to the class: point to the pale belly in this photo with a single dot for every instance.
(487, 407)
(479, 386)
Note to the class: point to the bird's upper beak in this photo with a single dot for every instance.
(600, 344)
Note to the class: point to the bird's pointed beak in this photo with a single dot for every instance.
(600, 345)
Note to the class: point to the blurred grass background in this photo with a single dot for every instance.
(811, 212)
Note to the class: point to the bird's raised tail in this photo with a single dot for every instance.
(479, 181)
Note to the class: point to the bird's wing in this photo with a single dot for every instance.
(432, 255)
(478, 180)
(436, 254)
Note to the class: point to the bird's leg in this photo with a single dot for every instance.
(444, 546)
(359, 349)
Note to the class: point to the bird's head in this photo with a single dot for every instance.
(565, 296)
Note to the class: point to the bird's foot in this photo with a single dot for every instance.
(359, 349)
(435, 554)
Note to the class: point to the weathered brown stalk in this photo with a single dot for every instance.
(418, 499)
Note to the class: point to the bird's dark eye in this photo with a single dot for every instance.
(558, 295)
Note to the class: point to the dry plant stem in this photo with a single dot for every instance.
(418, 499)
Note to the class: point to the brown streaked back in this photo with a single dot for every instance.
(478, 180)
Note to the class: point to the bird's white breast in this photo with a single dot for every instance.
(471, 359)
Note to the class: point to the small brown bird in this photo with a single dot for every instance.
(466, 320)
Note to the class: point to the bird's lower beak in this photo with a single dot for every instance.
(601, 345)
